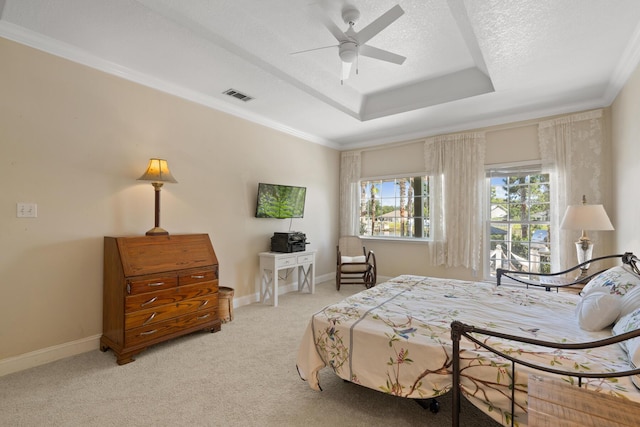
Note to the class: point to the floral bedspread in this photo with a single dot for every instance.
(395, 338)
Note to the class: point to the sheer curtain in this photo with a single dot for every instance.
(456, 165)
(349, 193)
(571, 149)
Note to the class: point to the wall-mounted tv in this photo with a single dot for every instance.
(280, 201)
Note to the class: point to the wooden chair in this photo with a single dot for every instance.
(355, 266)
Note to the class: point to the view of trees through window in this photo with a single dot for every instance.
(395, 207)
(519, 230)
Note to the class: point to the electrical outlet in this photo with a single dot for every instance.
(27, 210)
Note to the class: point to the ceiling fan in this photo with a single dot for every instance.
(352, 43)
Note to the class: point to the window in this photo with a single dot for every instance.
(395, 207)
(518, 225)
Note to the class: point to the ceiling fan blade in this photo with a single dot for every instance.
(346, 70)
(327, 22)
(383, 55)
(379, 24)
(311, 50)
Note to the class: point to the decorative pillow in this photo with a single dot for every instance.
(360, 258)
(618, 280)
(598, 309)
(629, 323)
(630, 302)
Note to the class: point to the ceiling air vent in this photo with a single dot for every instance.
(238, 95)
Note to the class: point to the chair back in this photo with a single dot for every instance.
(350, 246)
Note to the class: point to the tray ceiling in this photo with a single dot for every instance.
(470, 63)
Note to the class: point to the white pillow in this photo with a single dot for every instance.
(630, 302)
(628, 323)
(360, 258)
(617, 280)
(598, 309)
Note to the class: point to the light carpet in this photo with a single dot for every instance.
(244, 375)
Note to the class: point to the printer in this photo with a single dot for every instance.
(292, 241)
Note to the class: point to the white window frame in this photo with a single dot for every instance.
(487, 214)
(395, 177)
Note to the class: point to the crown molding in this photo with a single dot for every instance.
(628, 63)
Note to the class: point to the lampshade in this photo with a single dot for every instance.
(157, 171)
(586, 217)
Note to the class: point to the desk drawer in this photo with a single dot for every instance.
(158, 314)
(172, 296)
(173, 326)
(305, 259)
(150, 283)
(284, 262)
(198, 276)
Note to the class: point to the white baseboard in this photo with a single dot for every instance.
(47, 355)
(325, 277)
(250, 299)
(60, 351)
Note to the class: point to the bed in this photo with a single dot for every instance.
(397, 338)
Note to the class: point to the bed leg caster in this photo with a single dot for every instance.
(431, 404)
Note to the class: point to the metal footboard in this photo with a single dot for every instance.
(459, 330)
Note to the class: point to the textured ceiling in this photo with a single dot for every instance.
(470, 63)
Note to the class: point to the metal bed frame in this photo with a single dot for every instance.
(459, 330)
(557, 280)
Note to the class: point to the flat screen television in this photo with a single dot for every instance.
(280, 201)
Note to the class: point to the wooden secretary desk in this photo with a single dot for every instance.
(157, 288)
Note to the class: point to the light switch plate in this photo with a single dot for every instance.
(27, 210)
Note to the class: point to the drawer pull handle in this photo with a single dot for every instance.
(197, 276)
(148, 332)
(150, 318)
(205, 302)
(204, 317)
(155, 284)
(149, 302)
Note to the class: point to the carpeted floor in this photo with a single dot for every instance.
(244, 375)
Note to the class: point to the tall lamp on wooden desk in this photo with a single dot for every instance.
(585, 217)
(158, 173)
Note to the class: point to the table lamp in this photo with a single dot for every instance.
(585, 217)
(158, 173)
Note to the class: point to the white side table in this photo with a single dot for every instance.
(272, 262)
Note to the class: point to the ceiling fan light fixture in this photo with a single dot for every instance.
(348, 51)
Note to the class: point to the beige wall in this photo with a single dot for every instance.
(74, 140)
(625, 136)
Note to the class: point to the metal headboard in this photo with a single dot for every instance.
(627, 258)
